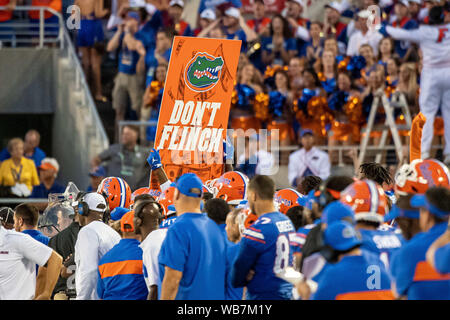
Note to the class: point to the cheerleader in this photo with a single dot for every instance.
(326, 69)
(386, 50)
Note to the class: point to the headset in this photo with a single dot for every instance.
(107, 213)
(142, 204)
(326, 194)
(82, 207)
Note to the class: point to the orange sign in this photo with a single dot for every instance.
(194, 111)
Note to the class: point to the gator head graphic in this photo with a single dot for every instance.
(203, 72)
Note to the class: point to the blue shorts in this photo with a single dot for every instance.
(90, 33)
(4, 27)
(48, 31)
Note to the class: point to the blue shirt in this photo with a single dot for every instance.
(232, 293)
(127, 59)
(265, 249)
(120, 273)
(39, 236)
(350, 278)
(194, 245)
(442, 259)
(413, 275)
(37, 156)
(238, 35)
(383, 243)
(288, 45)
(41, 191)
(167, 222)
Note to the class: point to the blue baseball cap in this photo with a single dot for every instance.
(134, 15)
(118, 213)
(421, 201)
(305, 132)
(98, 172)
(342, 236)
(308, 200)
(190, 185)
(336, 211)
(397, 212)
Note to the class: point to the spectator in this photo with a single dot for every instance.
(386, 50)
(126, 160)
(332, 25)
(280, 47)
(260, 22)
(314, 46)
(131, 67)
(233, 25)
(172, 17)
(120, 272)
(214, 4)
(48, 171)
(94, 240)
(17, 269)
(189, 274)
(7, 218)
(97, 174)
(403, 21)
(363, 35)
(407, 84)
(308, 160)
(90, 42)
(296, 67)
(207, 17)
(294, 11)
(147, 217)
(31, 148)
(18, 172)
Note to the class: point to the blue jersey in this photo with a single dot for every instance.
(265, 249)
(167, 222)
(442, 259)
(120, 273)
(362, 277)
(382, 243)
(194, 245)
(232, 293)
(413, 276)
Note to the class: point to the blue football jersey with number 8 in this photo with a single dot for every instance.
(265, 248)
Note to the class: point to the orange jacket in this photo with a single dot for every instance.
(54, 4)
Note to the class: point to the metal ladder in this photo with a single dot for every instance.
(398, 101)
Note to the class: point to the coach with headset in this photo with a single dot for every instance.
(94, 240)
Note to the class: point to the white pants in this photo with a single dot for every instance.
(435, 93)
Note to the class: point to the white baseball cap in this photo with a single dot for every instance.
(95, 201)
(299, 2)
(208, 14)
(176, 3)
(404, 2)
(335, 5)
(419, 2)
(364, 14)
(49, 163)
(233, 12)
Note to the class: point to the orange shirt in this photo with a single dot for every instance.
(5, 15)
(54, 4)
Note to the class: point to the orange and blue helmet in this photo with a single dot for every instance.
(116, 191)
(285, 199)
(166, 199)
(146, 190)
(420, 175)
(231, 187)
(367, 199)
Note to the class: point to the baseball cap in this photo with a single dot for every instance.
(403, 2)
(421, 201)
(334, 5)
(233, 12)
(190, 185)
(308, 200)
(208, 14)
(305, 132)
(416, 1)
(48, 164)
(299, 2)
(364, 14)
(95, 201)
(98, 172)
(176, 3)
(118, 213)
(397, 212)
(134, 15)
(342, 236)
(336, 211)
(126, 222)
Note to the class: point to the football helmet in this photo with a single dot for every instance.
(116, 191)
(367, 199)
(146, 190)
(166, 199)
(420, 175)
(245, 219)
(231, 187)
(285, 199)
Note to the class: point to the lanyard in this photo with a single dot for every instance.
(16, 175)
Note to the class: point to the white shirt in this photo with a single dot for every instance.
(94, 240)
(19, 254)
(436, 51)
(265, 165)
(316, 160)
(357, 39)
(150, 251)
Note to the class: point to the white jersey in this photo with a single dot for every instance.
(150, 251)
(433, 40)
(19, 254)
(93, 241)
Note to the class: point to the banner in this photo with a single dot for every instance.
(195, 106)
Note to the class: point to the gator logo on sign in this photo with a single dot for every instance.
(203, 72)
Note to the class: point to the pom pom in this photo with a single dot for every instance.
(261, 106)
(355, 65)
(276, 104)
